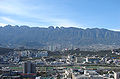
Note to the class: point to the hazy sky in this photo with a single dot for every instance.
(68, 13)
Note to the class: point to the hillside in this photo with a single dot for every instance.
(5, 50)
(39, 37)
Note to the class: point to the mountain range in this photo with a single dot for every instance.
(16, 36)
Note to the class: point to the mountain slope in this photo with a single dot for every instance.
(39, 37)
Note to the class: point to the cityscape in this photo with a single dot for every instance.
(59, 39)
(24, 63)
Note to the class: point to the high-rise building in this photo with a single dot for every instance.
(29, 67)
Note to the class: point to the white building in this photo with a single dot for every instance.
(116, 75)
(42, 54)
(24, 53)
(88, 74)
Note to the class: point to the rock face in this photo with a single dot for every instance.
(38, 37)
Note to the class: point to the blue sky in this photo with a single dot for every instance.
(67, 13)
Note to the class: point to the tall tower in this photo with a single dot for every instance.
(29, 67)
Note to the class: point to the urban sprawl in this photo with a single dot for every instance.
(66, 64)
